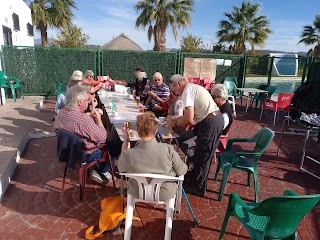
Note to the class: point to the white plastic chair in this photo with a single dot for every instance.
(149, 192)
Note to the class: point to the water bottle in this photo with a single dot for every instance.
(114, 106)
(129, 90)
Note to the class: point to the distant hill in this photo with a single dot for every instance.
(37, 41)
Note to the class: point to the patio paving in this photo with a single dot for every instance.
(34, 207)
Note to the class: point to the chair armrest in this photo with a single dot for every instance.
(290, 193)
(237, 155)
(234, 198)
(233, 140)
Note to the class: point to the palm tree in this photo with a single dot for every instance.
(157, 15)
(51, 13)
(244, 25)
(311, 35)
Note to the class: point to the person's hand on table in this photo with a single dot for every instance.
(170, 123)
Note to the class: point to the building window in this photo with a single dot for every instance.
(16, 24)
(30, 29)
(7, 35)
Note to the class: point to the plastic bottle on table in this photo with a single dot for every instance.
(114, 106)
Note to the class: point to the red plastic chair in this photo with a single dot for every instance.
(195, 80)
(207, 83)
(283, 103)
(83, 171)
(63, 146)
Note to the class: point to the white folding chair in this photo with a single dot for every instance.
(149, 192)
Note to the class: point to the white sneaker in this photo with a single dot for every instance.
(108, 176)
(99, 177)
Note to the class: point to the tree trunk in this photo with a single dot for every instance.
(44, 34)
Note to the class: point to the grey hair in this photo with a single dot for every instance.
(88, 73)
(74, 94)
(220, 91)
(157, 74)
(77, 73)
(177, 78)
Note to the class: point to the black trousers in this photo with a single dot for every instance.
(206, 136)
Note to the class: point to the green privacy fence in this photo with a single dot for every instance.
(119, 64)
(42, 68)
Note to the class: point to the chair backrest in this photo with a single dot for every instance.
(263, 138)
(69, 147)
(206, 80)
(284, 213)
(230, 86)
(284, 100)
(62, 88)
(271, 89)
(149, 184)
(195, 80)
(231, 79)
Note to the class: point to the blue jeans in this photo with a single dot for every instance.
(95, 156)
(61, 102)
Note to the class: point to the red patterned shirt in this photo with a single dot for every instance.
(81, 124)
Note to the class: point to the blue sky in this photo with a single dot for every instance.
(104, 19)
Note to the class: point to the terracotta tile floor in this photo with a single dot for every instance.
(34, 207)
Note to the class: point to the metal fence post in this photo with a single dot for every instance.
(270, 70)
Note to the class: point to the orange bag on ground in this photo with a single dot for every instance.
(112, 214)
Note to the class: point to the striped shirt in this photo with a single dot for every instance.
(81, 124)
(162, 92)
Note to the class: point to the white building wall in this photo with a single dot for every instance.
(19, 7)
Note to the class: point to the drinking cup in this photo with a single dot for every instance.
(138, 100)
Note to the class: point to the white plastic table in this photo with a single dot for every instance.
(252, 91)
(127, 110)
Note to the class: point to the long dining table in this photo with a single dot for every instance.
(128, 110)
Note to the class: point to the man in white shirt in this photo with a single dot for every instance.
(201, 109)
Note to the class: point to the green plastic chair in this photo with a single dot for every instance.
(244, 161)
(231, 79)
(274, 218)
(61, 89)
(259, 98)
(11, 83)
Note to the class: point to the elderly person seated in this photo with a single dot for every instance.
(89, 79)
(90, 129)
(142, 84)
(150, 156)
(75, 78)
(219, 94)
(158, 93)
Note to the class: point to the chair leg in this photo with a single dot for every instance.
(111, 170)
(249, 179)
(225, 222)
(223, 182)
(274, 118)
(261, 113)
(129, 215)
(217, 172)
(13, 92)
(82, 181)
(170, 209)
(64, 177)
(256, 185)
